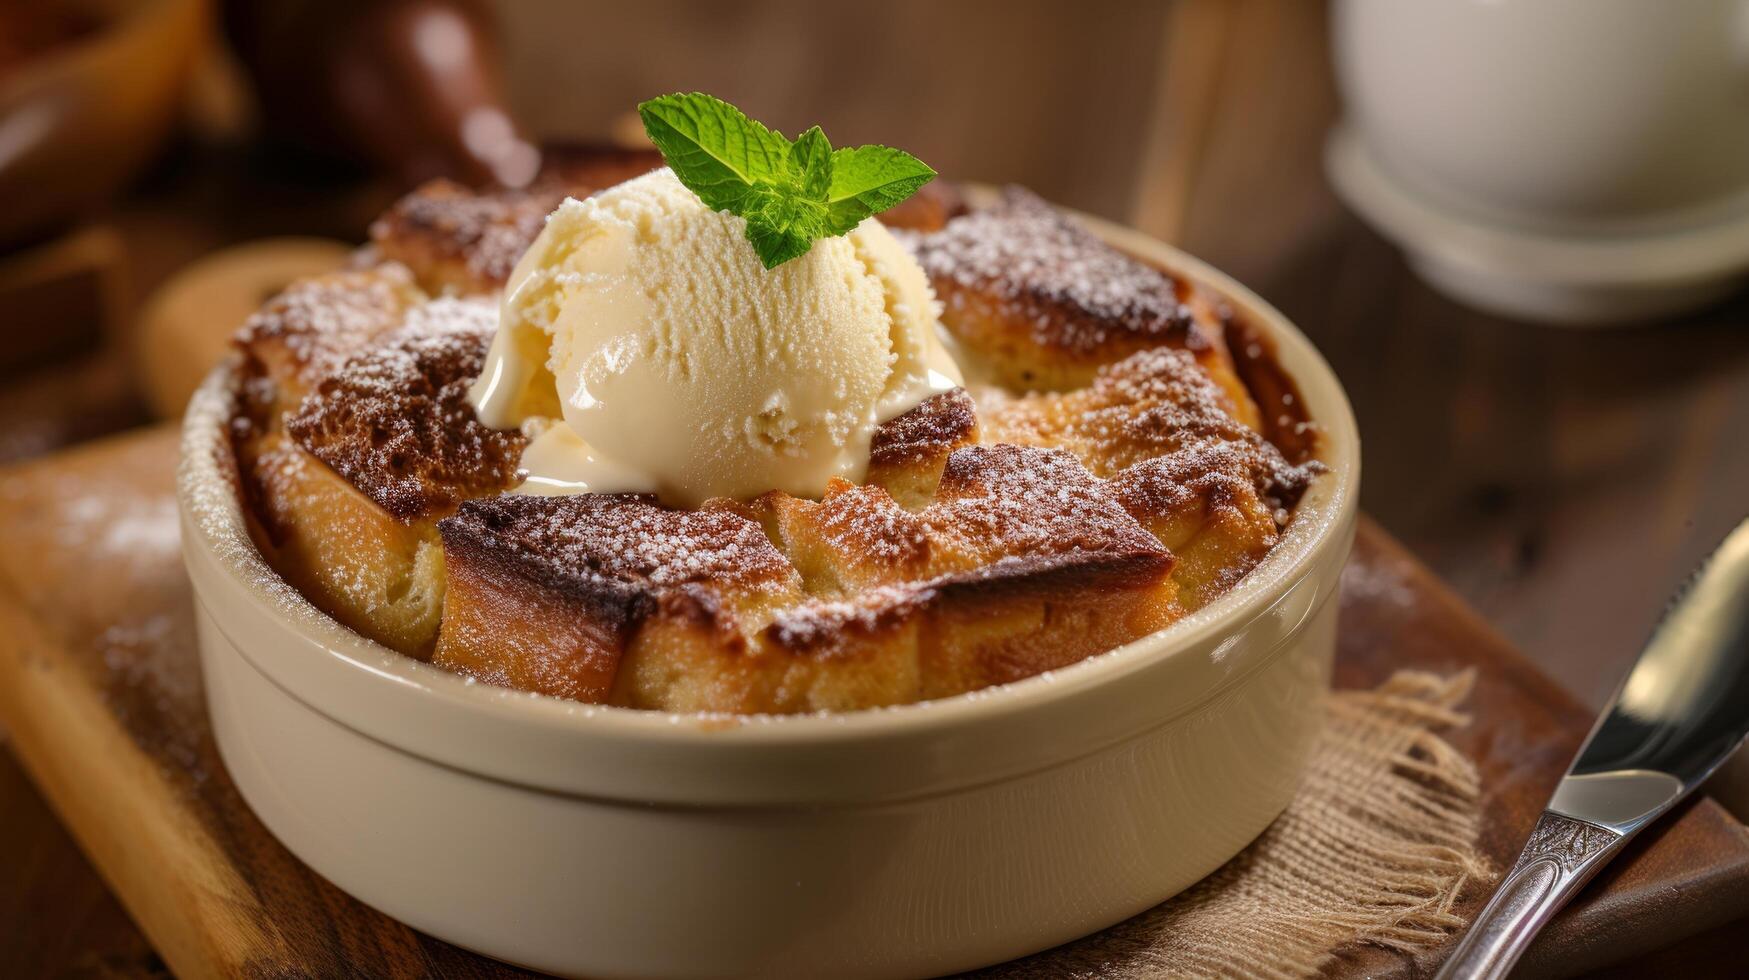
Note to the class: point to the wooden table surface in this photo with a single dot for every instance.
(1560, 481)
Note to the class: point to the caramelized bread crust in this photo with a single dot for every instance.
(461, 241)
(1020, 564)
(997, 534)
(1207, 487)
(1043, 303)
(381, 577)
(355, 438)
(1154, 405)
(314, 325)
(394, 420)
(546, 592)
(458, 241)
(907, 453)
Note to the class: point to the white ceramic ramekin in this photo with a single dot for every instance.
(898, 842)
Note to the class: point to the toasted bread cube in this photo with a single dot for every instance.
(461, 241)
(351, 485)
(311, 328)
(552, 593)
(1207, 487)
(1020, 564)
(907, 453)
(1042, 303)
(380, 576)
(394, 420)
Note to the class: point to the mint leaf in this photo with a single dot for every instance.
(867, 180)
(715, 150)
(782, 225)
(791, 194)
(810, 160)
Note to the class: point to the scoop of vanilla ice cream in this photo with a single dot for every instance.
(681, 366)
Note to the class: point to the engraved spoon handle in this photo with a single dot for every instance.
(1560, 857)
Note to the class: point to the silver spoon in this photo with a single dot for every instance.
(1682, 710)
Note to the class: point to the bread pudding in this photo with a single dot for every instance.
(1109, 466)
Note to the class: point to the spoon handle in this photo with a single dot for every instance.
(1560, 857)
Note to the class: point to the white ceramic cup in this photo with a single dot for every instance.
(911, 841)
(1555, 113)
(1572, 161)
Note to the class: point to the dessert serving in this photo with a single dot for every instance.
(638, 467)
(775, 563)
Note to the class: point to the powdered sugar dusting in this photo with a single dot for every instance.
(1007, 501)
(821, 627)
(208, 485)
(395, 420)
(1154, 422)
(119, 528)
(155, 689)
(1376, 583)
(592, 537)
(320, 322)
(1043, 266)
(97, 555)
(939, 423)
(867, 523)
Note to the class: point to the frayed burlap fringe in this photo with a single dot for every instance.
(1375, 848)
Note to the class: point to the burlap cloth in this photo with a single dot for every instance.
(1375, 848)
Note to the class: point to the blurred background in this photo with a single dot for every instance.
(1560, 479)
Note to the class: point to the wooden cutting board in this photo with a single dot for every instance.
(100, 689)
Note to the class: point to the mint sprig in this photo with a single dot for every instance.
(791, 193)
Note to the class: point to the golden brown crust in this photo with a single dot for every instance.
(394, 420)
(1081, 298)
(380, 576)
(1008, 524)
(937, 426)
(907, 453)
(786, 604)
(458, 241)
(546, 592)
(1154, 404)
(1043, 302)
(311, 327)
(462, 241)
(629, 539)
(1206, 486)
(353, 439)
